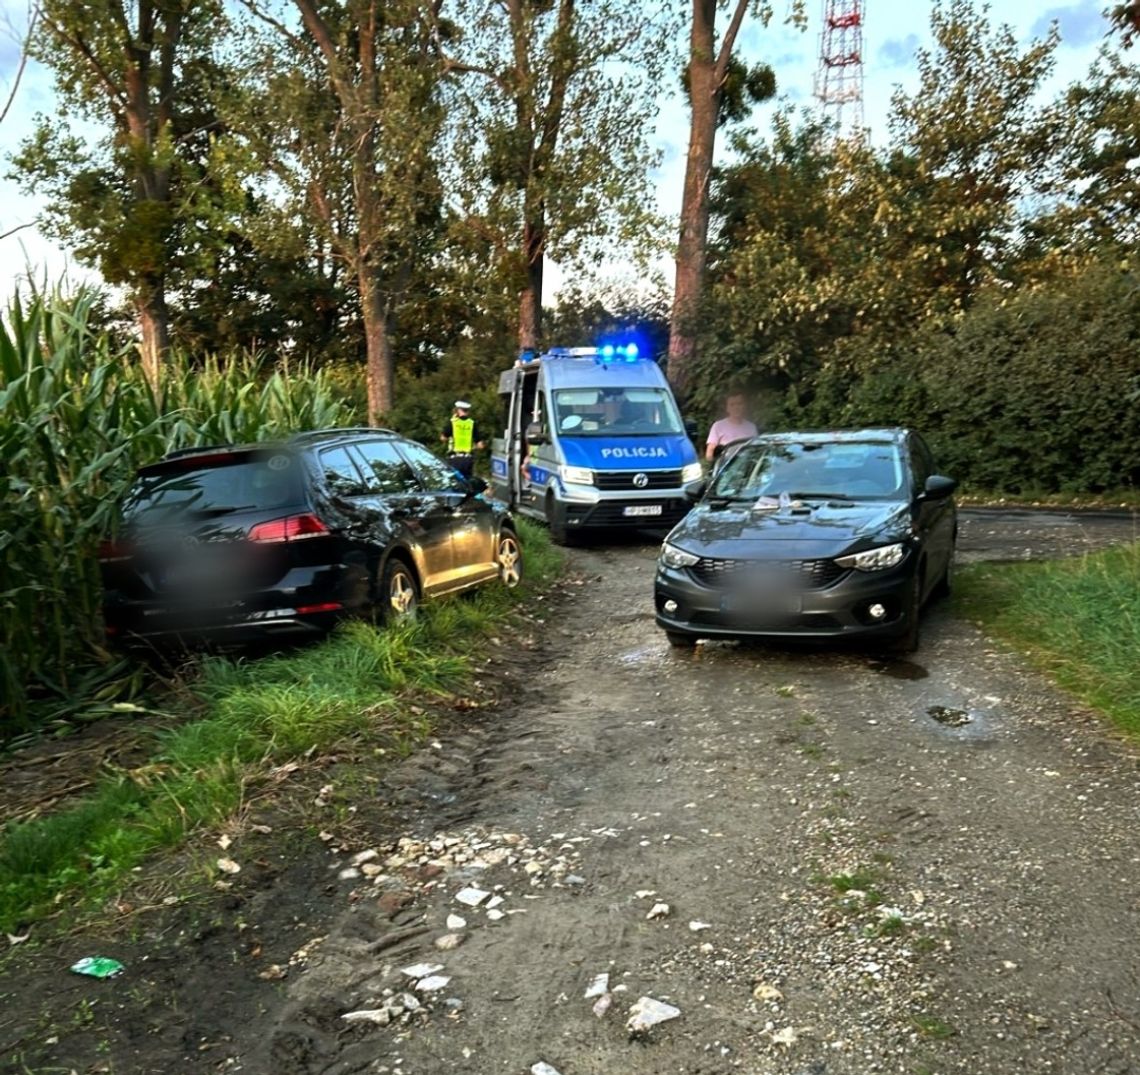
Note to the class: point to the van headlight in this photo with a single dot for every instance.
(577, 475)
(692, 472)
(874, 559)
(671, 556)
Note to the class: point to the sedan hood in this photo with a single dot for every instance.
(821, 530)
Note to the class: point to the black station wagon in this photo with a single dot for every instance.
(241, 542)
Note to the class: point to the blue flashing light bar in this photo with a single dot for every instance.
(627, 352)
(604, 354)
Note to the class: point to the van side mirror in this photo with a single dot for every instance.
(536, 434)
(691, 428)
(938, 488)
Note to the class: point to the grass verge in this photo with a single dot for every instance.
(1077, 619)
(1109, 500)
(255, 715)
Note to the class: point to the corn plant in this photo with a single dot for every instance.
(76, 418)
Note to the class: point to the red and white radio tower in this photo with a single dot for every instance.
(839, 83)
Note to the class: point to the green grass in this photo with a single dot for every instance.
(1110, 499)
(1077, 619)
(934, 1028)
(255, 714)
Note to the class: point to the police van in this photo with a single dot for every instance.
(592, 440)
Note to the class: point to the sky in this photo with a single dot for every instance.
(894, 29)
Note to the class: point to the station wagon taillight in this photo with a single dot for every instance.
(113, 551)
(291, 528)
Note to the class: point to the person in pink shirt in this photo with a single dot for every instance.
(734, 426)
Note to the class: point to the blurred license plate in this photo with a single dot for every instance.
(763, 604)
(642, 510)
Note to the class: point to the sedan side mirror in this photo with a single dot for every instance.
(695, 490)
(938, 487)
(477, 486)
(536, 434)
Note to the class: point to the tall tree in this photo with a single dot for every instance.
(347, 121)
(553, 115)
(1126, 18)
(707, 77)
(145, 73)
(20, 35)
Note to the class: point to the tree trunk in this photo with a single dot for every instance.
(708, 68)
(530, 298)
(378, 347)
(154, 323)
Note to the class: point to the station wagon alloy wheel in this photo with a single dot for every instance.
(510, 560)
(402, 596)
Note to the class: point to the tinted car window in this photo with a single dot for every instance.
(385, 470)
(341, 474)
(921, 461)
(434, 472)
(217, 485)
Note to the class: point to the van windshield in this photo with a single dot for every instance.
(610, 412)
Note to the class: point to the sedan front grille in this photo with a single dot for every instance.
(799, 574)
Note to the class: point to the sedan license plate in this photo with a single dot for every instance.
(763, 606)
(642, 510)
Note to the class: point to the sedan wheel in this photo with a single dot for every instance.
(401, 594)
(510, 560)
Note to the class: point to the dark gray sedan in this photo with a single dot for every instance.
(811, 535)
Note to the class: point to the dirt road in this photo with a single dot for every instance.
(869, 866)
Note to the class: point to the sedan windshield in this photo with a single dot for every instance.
(839, 470)
(606, 412)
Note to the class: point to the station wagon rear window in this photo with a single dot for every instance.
(215, 485)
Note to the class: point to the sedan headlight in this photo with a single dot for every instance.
(577, 475)
(693, 472)
(671, 556)
(874, 559)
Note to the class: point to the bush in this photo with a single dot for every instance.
(1037, 392)
(76, 418)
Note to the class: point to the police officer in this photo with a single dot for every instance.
(462, 437)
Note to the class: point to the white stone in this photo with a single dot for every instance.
(471, 897)
(421, 970)
(496, 915)
(788, 1036)
(648, 1012)
(455, 922)
(658, 910)
(361, 857)
(543, 1068)
(599, 985)
(379, 1016)
(432, 983)
(696, 927)
(449, 941)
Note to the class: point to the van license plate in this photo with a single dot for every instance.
(640, 510)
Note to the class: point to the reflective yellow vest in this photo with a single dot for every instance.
(462, 435)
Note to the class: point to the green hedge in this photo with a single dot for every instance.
(1037, 392)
